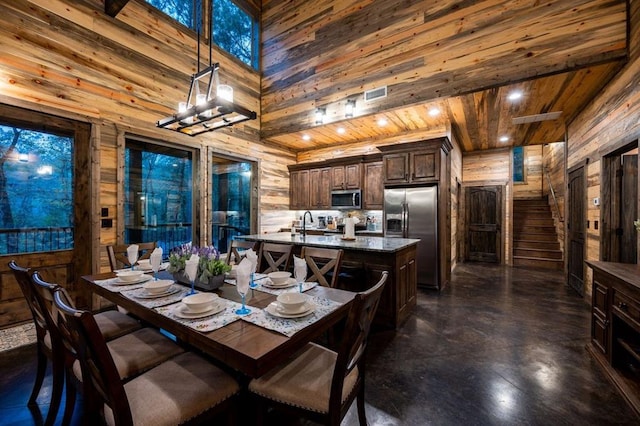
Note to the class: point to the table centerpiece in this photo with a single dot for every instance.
(211, 269)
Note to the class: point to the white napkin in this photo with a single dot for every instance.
(156, 258)
(243, 272)
(299, 269)
(132, 253)
(191, 267)
(349, 227)
(253, 258)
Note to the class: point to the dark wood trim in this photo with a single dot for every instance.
(113, 7)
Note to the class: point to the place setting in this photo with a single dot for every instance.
(202, 311)
(126, 279)
(154, 293)
(291, 305)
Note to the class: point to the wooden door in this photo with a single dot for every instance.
(576, 229)
(624, 210)
(484, 223)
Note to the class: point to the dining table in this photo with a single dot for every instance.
(251, 344)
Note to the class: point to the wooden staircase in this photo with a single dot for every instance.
(535, 241)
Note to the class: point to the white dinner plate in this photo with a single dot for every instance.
(146, 295)
(181, 311)
(272, 309)
(290, 282)
(142, 279)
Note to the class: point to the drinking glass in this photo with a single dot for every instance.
(300, 275)
(155, 260)
(242, 285)
(252, 282)
(191, 269)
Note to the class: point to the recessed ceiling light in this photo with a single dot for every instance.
(306, 137)
(434, 112)
(515, 95)
(382, 122)
(341, 130)
(504, 138)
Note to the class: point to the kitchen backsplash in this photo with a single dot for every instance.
(375, 216)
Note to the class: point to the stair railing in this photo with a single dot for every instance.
(553, 195)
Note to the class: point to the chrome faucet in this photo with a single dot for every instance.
(304, 222)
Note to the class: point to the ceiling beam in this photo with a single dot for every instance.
(113, 7)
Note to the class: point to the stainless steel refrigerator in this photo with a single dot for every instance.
(413, 213)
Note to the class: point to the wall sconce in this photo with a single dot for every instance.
(350, 108)
(320, 114)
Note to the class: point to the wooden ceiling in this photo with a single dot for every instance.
(463, 57)
(477, 120)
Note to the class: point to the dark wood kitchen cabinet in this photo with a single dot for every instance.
(299, 189)
(412, 167)
(348, 176)
(319, 191)
(615, 325)
(373, 188)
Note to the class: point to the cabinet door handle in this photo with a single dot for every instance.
(622, 306)
(606, 323)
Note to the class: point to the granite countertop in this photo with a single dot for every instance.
(361, 243)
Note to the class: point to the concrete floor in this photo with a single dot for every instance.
(498, 346)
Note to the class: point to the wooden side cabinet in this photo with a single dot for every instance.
(615, 326)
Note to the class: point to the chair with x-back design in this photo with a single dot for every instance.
(274, 257)
(323, 263)
(234, 256)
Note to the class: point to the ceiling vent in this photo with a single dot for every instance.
(373, 94)
(537, 117)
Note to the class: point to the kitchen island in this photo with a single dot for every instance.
(364, 260)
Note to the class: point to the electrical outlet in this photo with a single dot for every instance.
(596, 201)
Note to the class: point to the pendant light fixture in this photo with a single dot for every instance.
(209, 105)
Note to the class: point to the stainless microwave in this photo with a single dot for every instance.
(346, 200)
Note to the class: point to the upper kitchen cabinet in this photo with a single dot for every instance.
(299, 189)
(348, 176)
(373, 188)
(320, 195)
(413, 163)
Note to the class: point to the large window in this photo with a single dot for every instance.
(183, 11)
(159, 194)
(235, 31)
(36, 191)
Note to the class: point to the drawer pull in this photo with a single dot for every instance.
(622, 306)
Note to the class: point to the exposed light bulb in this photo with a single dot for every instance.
(225, 92)
(350, 108)
(320, 114)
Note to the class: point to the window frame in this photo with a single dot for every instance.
(196, 203)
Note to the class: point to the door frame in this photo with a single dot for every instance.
(606, 184)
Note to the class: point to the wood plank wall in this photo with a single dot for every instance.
(609, 121)
(327, 51)
(553, 160)
(532, 187)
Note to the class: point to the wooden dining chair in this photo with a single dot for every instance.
(323, 263)
(233, 254)
(317, 382)
(118, 254)
(47, 350)
(133, 348)
(274, 257)
(186, 388)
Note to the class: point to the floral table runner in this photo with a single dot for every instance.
(206, 324)
(290, 326)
